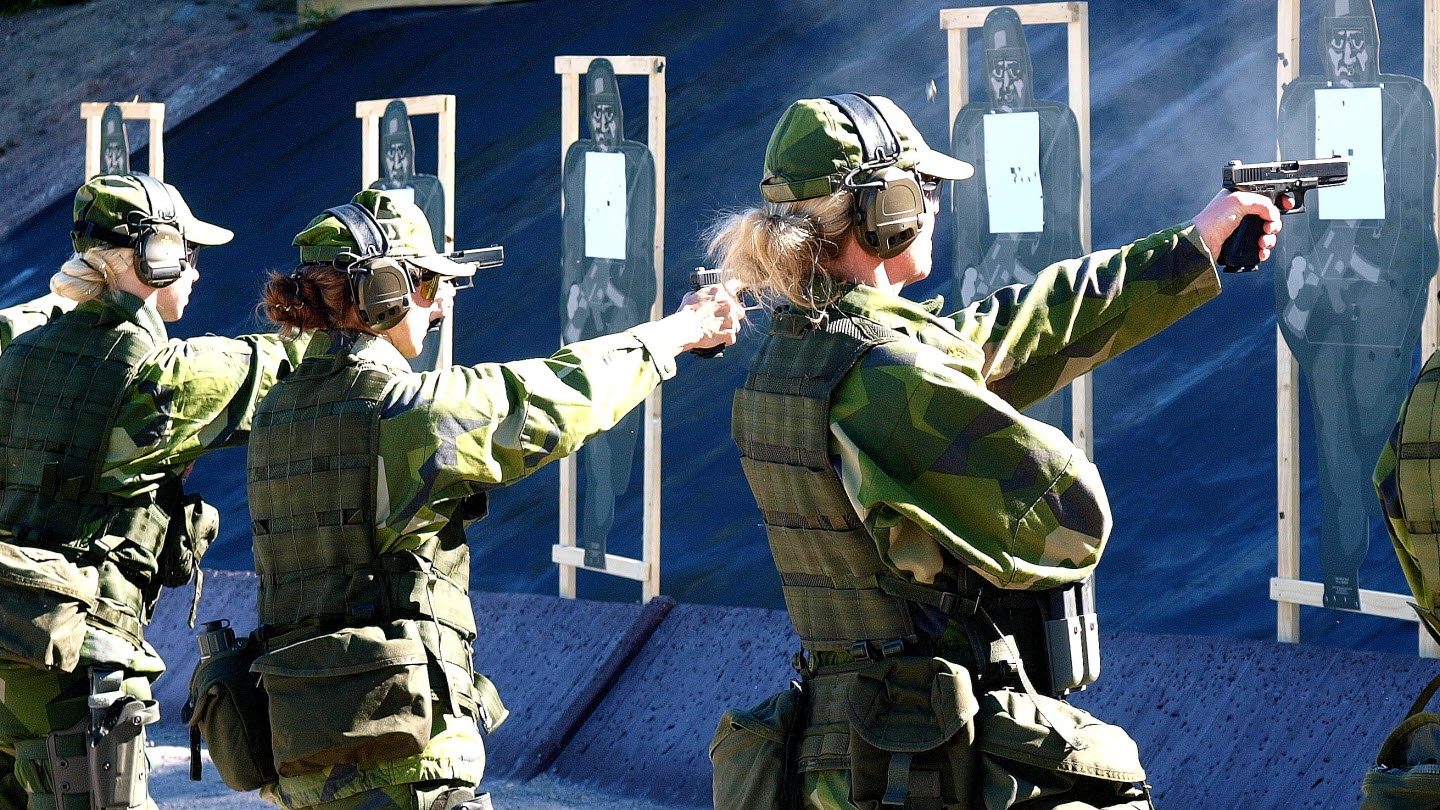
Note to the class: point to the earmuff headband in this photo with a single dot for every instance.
(370, 238)
(878, 144)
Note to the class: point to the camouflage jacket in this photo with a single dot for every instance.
(934, 452)
(189, 397)
(447, 434)
(1417, 554)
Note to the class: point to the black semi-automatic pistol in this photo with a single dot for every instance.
(1284, 178)
(486, 258)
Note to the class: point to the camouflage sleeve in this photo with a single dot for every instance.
(447, 434)
(197, 395)
(937, 465)
(1079, 313)
(21, 318)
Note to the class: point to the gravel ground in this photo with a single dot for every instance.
(186, 53)
(172, 788)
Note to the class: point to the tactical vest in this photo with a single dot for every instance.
(313, 476)
(1419, 487)
(61, 389)
(839, 593)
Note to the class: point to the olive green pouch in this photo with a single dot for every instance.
(228, 707)
(910, 733)
(1406, 775)
(44, 598)
(194, 524)
(1032, 747)
(750, 755)
(492, 709)
(358, 694)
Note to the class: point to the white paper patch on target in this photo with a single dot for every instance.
(1012, 173)
(1347, 123)
(605, 205)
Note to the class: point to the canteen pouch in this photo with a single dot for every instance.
(193, 525)
(1023, 756)
(911, 733)
(1406, 775)
(228, 707)
(359, 694)
(44, 598)
(751, 755)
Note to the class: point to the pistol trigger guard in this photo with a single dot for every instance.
(1298, 200)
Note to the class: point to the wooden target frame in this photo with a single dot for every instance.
(443, 106)
(1287, 589)
(1075, 16)
(152, 111)
(567, 553)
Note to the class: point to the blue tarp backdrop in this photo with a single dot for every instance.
(1184, 423)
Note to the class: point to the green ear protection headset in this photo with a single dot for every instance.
(888, 199)
(379, 285)
(158, 240)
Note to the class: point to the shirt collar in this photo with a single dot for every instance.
(888, 309)
(363, 345)
(123, 305)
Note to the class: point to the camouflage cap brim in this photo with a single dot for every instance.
(941, 165)
(198, 232)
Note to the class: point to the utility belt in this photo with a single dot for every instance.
(391, 587)
(1056, 632)
(297, 703)
(917, 731)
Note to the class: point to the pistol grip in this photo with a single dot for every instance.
(1241, 252)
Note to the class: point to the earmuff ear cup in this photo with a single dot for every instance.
(888, 205)
(381, 288)
(159, 251)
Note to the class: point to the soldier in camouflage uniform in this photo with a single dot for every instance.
(101, 416)
(363, 477)
(921, 524)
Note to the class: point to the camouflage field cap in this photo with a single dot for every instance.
(405, 227)
(111, 202)
(815, 145)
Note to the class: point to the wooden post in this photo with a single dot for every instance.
(1287, 374)
(567, 553)
(370, 112)
(1075, 16)
(1430, 336)
(149, 111)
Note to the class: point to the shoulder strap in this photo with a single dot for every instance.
(1424, 697)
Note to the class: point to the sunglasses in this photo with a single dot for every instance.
(429, 284)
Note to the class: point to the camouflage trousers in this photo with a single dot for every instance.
(34, 703)
(415, 796)
(830, 790)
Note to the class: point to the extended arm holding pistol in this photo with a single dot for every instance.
(1285, 178)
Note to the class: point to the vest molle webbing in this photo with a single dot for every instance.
(837, 589)
(61, 389)
(313, 479)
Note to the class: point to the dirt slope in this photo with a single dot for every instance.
(186, 53)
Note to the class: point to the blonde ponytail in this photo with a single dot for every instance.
(92, 274)
(781, 250)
